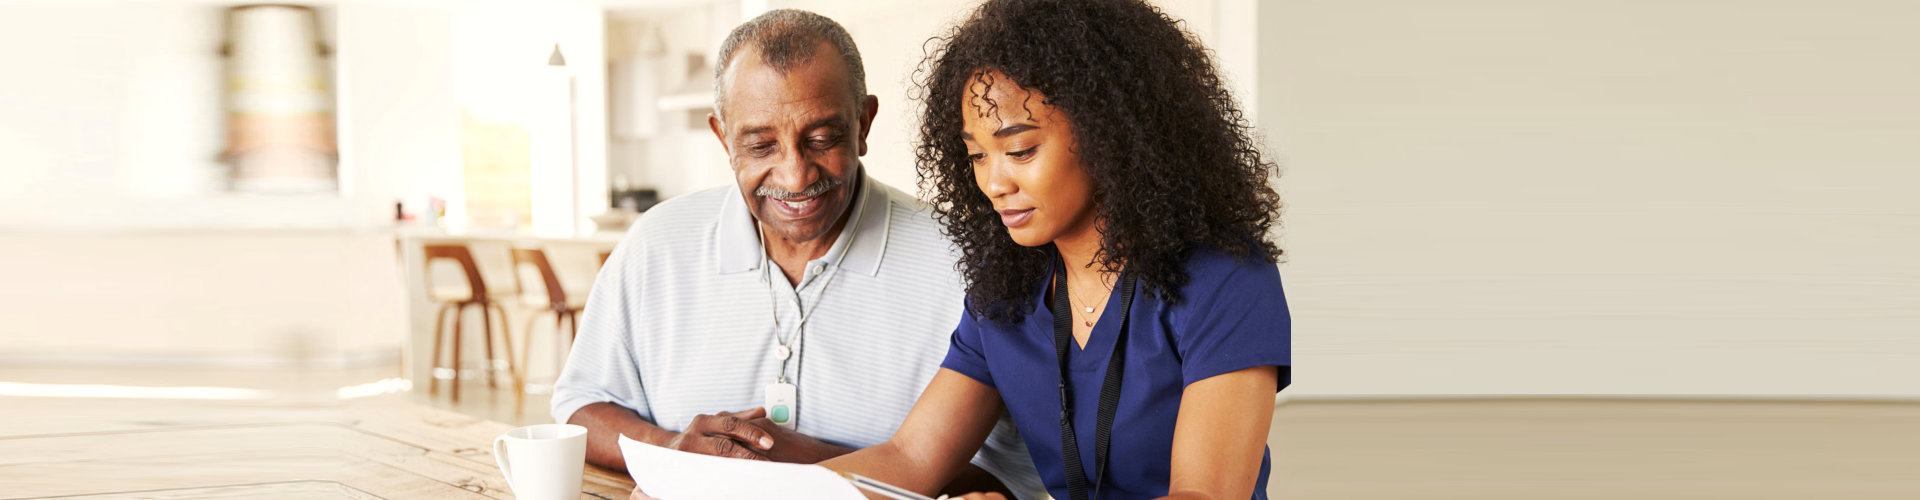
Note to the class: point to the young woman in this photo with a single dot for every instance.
(1112, 209)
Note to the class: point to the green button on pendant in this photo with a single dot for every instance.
(780, 414)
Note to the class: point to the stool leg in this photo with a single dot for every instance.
(573, 327)
(506, 341)
(531, 317)
(459, 318)
(573, 332)
(486, 329)
(517, 371)
(559, 318)
(439, 326)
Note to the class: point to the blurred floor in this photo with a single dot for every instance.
(1393, 449)
(1595, 448)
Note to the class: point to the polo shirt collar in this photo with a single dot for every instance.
(738, 240)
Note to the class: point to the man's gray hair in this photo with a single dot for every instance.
(786, 38)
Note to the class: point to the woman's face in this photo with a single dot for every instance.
(1023, 157)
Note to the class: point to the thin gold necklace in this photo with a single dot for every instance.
(1084, 308)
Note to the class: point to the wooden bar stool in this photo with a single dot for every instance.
(457, 300)
(541, 291)
(565, 307)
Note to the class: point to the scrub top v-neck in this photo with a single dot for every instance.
(1232, 316)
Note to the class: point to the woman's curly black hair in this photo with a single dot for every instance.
(1174, 162)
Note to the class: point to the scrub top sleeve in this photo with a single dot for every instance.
(966, 354)
(1239, 321)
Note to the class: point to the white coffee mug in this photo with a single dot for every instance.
(543, 462)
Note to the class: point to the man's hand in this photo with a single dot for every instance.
(796, 448)
(725, 435)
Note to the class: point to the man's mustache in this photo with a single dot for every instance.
(816, 189)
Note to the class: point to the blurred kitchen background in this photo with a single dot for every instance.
(1704, 208)
(217, 185)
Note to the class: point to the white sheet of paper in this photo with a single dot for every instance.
(677, 475)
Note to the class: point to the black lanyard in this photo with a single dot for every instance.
(1109, 389)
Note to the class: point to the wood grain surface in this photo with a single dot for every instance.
(80, 448)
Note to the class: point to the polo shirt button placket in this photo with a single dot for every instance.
(813, 272)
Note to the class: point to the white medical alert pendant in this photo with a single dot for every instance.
(780, 400)
(782, 352)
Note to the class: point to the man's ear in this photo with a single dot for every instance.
(719, 132)
(869, 107)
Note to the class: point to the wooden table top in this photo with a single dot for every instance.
(378, 448)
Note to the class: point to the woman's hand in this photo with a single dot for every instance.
(796, 448)
(946, 427)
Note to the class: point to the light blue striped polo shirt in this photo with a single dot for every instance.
(680, 323)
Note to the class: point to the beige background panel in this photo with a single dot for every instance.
(1598, 197)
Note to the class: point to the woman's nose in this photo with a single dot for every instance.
(993, 179)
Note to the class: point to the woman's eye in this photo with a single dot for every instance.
(976, 157)
(1024, 153)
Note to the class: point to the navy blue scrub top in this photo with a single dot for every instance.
(1232, 316)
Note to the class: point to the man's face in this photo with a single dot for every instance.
(794, 140)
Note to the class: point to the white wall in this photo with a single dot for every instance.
(110, 117)
(501, 50)
(112, 243)
(399, 119)
(1599, 197)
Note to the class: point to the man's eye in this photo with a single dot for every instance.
(824, 143)
(762, 149)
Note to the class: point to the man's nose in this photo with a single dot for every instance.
(793, 171)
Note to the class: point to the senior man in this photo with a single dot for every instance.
(794, 316)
